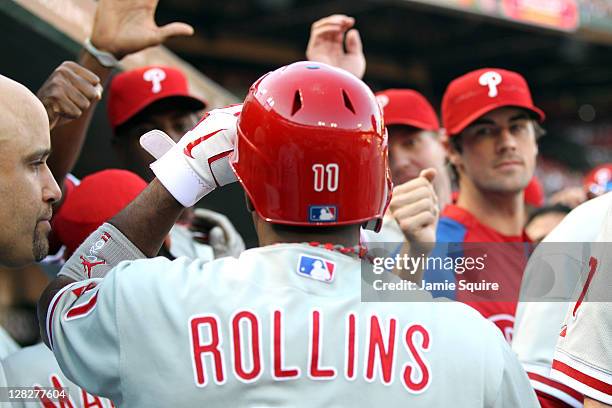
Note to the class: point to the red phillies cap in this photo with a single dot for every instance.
(132, 91)
(93, 202)
(534, 193)
(599, 180)
(479, 92)
(407, 107)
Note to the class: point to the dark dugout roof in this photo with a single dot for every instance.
(406, 45)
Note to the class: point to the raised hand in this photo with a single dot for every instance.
(327, 44)
(123, 27)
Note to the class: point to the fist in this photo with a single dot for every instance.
(415, 208)
(68, 92)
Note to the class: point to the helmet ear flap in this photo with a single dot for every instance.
(376, 223)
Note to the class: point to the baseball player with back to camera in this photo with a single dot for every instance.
(263, 329)
(583, 355)
(564, 254)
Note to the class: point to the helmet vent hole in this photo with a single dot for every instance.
(347, 101)
(297, 102)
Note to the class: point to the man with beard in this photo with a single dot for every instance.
(26, 183)
(27, 187)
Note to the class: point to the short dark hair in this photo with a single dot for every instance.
(457, 145)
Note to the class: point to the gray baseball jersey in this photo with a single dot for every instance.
(35, 366)
(538, 324)
(583, 356)
(282, 325)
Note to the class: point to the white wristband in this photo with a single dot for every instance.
(106, 59)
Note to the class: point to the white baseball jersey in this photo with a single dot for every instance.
(538, 324)
(35, 366)
(183, 244)
(583, 356)
(7, 344)
(265, 330)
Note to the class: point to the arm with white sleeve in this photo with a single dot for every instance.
(78, 307)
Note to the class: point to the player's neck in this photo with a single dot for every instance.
(504, 212)
(347, 236)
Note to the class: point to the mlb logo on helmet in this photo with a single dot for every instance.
(322, 213)
(316, 268)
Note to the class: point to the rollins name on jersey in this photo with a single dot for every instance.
(250, 337)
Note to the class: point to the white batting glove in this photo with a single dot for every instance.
(199, 162)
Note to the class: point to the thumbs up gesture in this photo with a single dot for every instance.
(415, 208)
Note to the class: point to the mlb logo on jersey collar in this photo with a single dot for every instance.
(316, 268)
(322, 213)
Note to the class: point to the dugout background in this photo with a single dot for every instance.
(420, 44)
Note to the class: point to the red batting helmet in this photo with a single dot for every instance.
(312, 148)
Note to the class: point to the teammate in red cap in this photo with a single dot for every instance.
(80, 215)
(147, 98)
(157, 97)
(414, 140)
(492, 126)
(152, 97)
